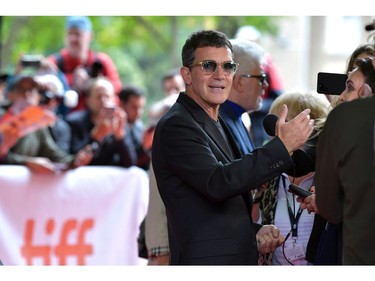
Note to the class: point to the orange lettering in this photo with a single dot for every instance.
(63, 250)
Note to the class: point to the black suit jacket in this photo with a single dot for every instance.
(204, 182)
(345, 176)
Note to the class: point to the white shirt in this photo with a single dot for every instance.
(282, 221)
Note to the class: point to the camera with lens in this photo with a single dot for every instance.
(95, 69)
(45, 95)
(69, 98)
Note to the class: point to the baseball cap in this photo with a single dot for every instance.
(23, 82)
(80, 22)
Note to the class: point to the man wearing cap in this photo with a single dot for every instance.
(78, 62)
(35, 148)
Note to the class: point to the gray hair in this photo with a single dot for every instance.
(248, 54)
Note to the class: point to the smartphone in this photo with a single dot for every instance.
(331, 83)
(295, 189)
(108, 111)
(31, 61)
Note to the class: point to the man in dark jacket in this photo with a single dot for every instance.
(203, 179)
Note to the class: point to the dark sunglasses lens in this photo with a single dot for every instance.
(230, 66)
(209, 66)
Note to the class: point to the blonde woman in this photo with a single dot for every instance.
(280, 207)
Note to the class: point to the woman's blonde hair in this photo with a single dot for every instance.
(297, 102)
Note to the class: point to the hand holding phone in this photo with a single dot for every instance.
(295, 189)
(108, 111)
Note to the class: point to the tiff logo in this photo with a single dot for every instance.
(63, 249)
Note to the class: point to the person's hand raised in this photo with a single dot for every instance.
(295, 132)
(118, 123)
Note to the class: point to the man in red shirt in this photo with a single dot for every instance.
(79, 63)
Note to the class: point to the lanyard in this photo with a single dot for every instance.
(293, 219)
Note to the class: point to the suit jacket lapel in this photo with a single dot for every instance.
(209, 126)
(233, 144)
(213, 132)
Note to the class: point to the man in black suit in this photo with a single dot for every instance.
(203, 179)
(344, 179)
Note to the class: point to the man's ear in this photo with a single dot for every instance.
(186, 75)
(365, 91)
(237, 83)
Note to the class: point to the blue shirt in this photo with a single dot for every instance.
(231, 113)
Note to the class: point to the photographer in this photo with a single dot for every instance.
(79, 63)
(102, 124)
(52, 96)
(35, 148)
(38, 65)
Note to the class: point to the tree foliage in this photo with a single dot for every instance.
(143, 48)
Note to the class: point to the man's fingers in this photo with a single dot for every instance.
(275, 232)
(304, 116)
(283, 114)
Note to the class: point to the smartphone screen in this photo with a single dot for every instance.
(331, 83)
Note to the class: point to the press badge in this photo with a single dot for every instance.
(294, 252)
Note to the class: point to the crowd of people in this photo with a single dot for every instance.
(219, 187)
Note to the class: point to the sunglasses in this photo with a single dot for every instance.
(210, 66)
(262, 78)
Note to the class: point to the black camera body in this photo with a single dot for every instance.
(95, 69)
(45, 96)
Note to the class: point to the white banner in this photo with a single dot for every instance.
(85, 216)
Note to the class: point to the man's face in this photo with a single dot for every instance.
(174, 85)
(32, 96)
(134, 108)
(26, 90)
(209, 89)
(251, 97)
(100, 96)
(78, 42)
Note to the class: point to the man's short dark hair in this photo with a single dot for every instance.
(200, 39)
(130, 91)
(170, 74)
